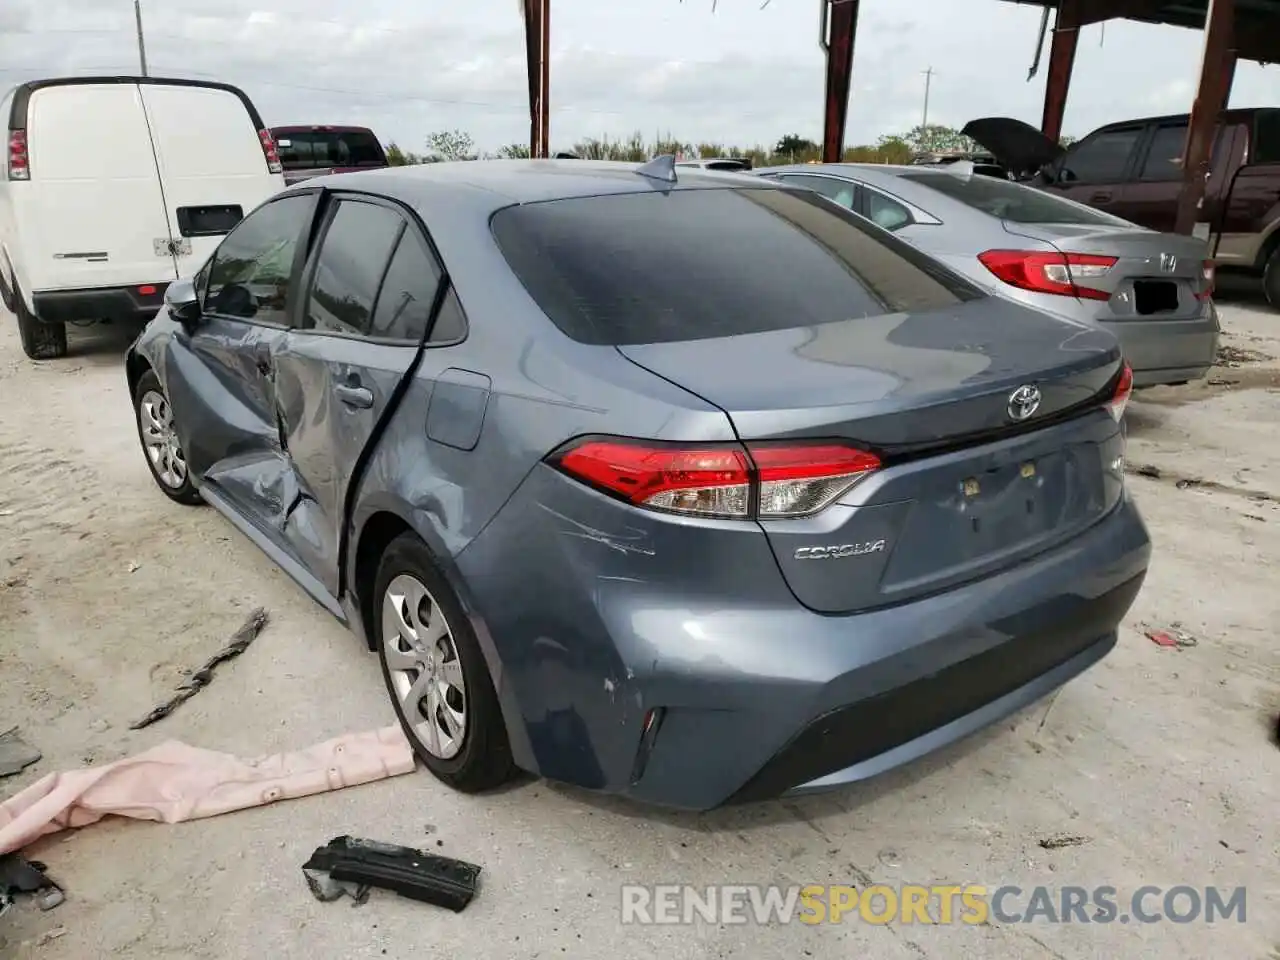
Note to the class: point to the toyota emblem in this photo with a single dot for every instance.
(1024, 402)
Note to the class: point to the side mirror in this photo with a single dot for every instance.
(182, 303)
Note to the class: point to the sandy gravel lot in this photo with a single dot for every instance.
(1160, 758)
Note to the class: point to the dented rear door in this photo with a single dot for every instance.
(371, 286)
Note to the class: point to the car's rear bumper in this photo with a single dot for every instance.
(593, 619)
(1168, 351)
(99, 303)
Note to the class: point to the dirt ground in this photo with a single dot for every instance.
(1160, 758)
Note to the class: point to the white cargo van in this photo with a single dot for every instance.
(111, 187)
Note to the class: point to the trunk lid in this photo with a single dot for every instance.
(1019, 146)
(964, 489)
(1156, 275)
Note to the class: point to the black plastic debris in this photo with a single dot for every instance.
(19, 875)
(240, 641)
(15, 753)
(350, 866)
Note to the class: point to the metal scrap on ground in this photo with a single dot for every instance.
(240, 641)
(350, 866)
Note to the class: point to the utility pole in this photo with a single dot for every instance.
(142, 47)
(928, 80)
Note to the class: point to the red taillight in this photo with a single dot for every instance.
(269, 151)
(767, 480)
(147, 290)
(1057, 273)
(1124, 389)
(1207, 280)
(19, 160)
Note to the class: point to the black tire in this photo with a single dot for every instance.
(483, 761)
(1271, 279)
(40, 340)
(185, 492)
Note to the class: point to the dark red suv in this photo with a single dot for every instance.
(314, 151)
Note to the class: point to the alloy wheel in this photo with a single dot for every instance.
(161, 440)
(423, 666)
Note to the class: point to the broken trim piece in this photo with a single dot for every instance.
(353, 865)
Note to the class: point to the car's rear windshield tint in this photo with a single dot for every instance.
(1010, 201)
(660, 266)
(330, 148)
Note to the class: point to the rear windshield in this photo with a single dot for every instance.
(1010, 201)
(689, 264)
(329, 148)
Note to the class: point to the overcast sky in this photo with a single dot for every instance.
(740, 75)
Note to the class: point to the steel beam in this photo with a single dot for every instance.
(837, 30)
(1217, 69)
(1062, 58)
(537, 43)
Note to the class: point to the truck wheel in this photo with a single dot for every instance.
(40, 341)
(1271, 279)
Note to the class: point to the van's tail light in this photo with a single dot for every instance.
(269, 151)
(765, 480)
(1057, 273)
(1124, 390)
(19, 159)
(1208, 279)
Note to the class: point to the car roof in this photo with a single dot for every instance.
(481, 187)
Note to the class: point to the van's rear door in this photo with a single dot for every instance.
(93, 214)
(212, 166)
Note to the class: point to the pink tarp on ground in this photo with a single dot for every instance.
(175, 782)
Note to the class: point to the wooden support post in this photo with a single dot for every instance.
(1062, 58)
(1217, 70)
(837, 30)
(537, 43)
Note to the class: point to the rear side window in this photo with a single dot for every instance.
(841, 191)
(404, 306)
(1266, 137)
(1101, 158)
(691, 264)
(1010, 201)
(1164, 156)
(329, 148)
(353, 257)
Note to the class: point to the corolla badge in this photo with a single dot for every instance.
(839, 551)
(1024, 402)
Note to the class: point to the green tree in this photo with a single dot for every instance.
(398, 157)
(936, 138)
(452, 145)
(794, 144)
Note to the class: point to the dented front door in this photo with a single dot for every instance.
(220, 375)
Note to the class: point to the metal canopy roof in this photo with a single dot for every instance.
(1257, 33)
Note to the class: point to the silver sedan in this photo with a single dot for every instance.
(1152, 290)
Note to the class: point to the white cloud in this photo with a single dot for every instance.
(743, 75)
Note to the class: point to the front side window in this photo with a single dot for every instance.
(840, 191)
(251, 274)
(353, 257)
(657, 267)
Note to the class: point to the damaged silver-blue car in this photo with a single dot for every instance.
(680, 485)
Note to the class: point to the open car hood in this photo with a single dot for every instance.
(1019, 146)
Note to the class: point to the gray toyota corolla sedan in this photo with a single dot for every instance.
(1152, 290)
(684, 486)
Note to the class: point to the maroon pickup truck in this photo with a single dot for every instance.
(314, 151)
(1133, 170)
